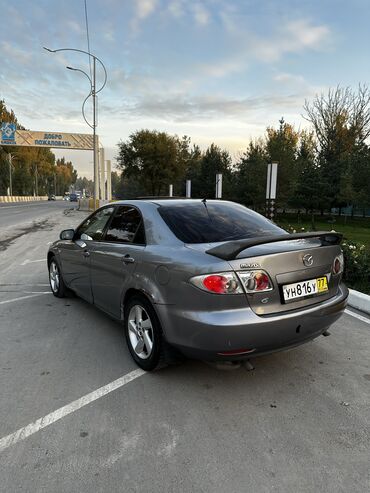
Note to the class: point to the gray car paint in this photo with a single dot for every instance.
(199, 323)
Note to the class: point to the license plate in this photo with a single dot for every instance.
(305, 288)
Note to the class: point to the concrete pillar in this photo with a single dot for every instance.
(109, 180)
(102, 174)
(188, 189)
(218, 185)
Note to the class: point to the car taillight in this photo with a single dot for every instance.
(338, 264)
(220, 283)
(255, 281)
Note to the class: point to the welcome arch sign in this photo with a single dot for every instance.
(11, 136)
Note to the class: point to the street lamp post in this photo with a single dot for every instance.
(93, 93)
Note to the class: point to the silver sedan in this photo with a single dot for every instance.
(208, 279)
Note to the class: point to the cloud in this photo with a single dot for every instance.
(224, 67)
(286, 77)
(199, 108)
(201, 14)
(143, 9)
(293, 37)
(176, 8)
(74, 26)
(15, 54)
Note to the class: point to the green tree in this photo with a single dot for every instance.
(215, 160)
(83, 183)
(360, 166)
(34, 169)
(250, 175)
(66, 175)
(281, 147)
(153, 158)
(341, 120)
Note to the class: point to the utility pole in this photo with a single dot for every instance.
(93, 93)
(37, 191)
(55, 184)
(10, 173)
(96, 141)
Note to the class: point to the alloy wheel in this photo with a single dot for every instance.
(140, 331)
(54, 276)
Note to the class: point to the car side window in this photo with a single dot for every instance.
(94, 226)
(126, 226)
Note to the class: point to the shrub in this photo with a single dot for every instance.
(356, 265)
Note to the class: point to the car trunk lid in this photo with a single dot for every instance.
(284, 262)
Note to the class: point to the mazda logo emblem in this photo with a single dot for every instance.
(307, 260)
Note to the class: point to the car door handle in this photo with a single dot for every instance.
(86, 253)
(127, 259)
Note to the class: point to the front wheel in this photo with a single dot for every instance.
(144, 334)
(58, 288)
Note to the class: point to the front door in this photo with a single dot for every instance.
(75, 255)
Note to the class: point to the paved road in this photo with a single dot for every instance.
(298, 423)
(21, 214)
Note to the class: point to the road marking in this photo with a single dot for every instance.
(60, 413)
(24, 284)
(37, 292)
(33, 261)
(26, 204)
(23, 298)
(356, 315)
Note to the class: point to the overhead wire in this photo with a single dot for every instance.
(87, 35)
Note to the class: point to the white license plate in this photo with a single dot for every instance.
(305, 288)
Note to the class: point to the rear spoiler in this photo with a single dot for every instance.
(229, 250)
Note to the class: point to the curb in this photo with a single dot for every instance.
(360, 301)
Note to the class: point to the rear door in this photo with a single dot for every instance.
(114, 260)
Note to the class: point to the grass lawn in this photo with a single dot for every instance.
(355, 229)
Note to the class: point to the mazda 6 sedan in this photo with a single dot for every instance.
(210, 279)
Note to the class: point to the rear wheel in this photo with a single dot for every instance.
(144, 335)
(58, 288)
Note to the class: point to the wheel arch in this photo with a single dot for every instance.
(130, 293)
(50, 256)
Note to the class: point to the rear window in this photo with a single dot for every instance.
(213, 222)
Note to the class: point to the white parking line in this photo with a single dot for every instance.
(23, 297)
(60, 413)
(33, 261)
(356, 315)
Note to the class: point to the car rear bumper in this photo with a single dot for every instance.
(205, 334)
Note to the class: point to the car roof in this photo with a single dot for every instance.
(167, 200)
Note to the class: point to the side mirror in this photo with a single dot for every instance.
(67, 234)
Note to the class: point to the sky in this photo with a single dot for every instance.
(216, 70)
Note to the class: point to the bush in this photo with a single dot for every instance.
(356, 266)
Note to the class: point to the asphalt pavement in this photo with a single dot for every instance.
(77, 416)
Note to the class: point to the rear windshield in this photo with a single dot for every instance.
(212, 222)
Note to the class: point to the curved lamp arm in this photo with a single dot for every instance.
(86, 53)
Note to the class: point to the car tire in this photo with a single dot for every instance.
(57, 286)
(144, 335)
